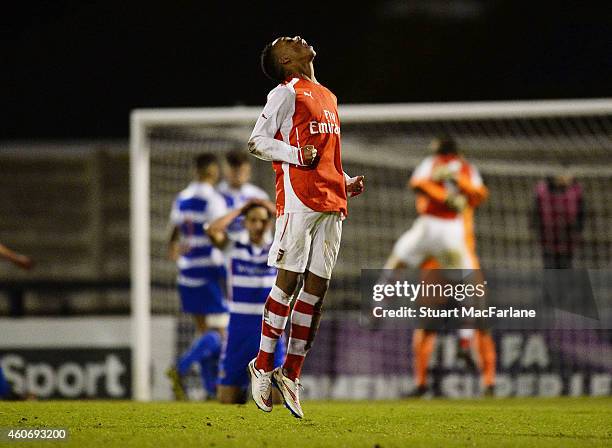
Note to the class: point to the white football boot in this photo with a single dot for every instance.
(290, 390)
(261, 387)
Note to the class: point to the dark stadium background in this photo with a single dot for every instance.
(76, 69)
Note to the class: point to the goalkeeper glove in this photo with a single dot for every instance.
(456, 202)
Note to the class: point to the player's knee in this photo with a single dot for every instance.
(217, 321)
(200, 323)
(315, 285)
(287, 281)
(318, 291)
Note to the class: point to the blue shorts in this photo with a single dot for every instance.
(242, 345)
(4, 386)
(205, 299)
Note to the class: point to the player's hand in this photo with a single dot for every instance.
(355, 185)
(307, 154)
(269, 205)
(250, 203)
(456, 202)
(441, 174)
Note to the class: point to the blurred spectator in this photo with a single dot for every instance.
(558, 218)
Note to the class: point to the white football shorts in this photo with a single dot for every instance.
(307, 241)
(433, 237)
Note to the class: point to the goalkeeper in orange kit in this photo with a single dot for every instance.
(448, 189)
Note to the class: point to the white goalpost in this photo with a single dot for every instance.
(513, 143)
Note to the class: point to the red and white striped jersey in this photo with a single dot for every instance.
(300, 112)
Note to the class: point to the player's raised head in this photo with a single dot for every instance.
(283, 55)
(444, 145)
(207, 167)
(238, 168)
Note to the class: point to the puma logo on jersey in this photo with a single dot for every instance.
(264, 116)
(281, 254)
(308, 94)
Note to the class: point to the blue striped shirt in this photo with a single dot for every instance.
(249, 278)
(195, 206)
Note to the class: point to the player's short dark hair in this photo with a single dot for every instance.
(236, 159)
(446, 145)
(248, 208)
(204, 160)
(270, 66)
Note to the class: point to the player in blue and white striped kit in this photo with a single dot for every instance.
(249, 281)
(236, 188)
(200, 273)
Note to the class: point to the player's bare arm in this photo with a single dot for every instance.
(217, 229)
(20, 260)
(174, 249)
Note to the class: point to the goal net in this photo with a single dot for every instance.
(514, 145)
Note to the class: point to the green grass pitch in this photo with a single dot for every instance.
(566, 422)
